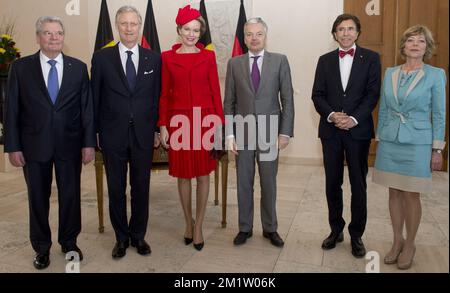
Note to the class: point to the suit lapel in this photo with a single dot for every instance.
(37, 68)
(416, 80)
(119, 68)
(67, 72)
(246, 70)
(143, 60)
(335, 69)
(395, 76)
(357, 63)
(265, 74)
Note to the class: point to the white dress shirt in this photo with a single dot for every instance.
(45, 66)
(124, 56)
(345, 68)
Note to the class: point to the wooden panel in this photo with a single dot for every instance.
(371, 26)
(423, 12)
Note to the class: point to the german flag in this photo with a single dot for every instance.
(150, 38)
(239, 46)
(206, 38)
(105, 36)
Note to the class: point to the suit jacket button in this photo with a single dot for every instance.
(345, 95)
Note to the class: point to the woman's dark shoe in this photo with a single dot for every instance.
(199, 246)
(188, 241)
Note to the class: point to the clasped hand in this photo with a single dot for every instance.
(342, 121)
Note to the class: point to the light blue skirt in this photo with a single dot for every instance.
(403, 166)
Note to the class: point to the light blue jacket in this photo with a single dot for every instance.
(421, 117)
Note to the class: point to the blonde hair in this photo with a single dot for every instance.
(415, 31)
(202, 26)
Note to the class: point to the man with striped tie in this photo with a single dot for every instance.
(49, 124)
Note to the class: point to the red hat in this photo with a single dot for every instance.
(186, 14)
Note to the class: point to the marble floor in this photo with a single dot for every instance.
(302, 217)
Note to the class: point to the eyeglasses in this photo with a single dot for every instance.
(48, 34)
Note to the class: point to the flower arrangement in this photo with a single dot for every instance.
(8, 50)
(8, 53)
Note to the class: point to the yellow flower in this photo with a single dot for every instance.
(2, 50)
(7, 37)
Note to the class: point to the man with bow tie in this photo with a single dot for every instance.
(345, 92)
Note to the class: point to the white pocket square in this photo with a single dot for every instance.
(148, 72)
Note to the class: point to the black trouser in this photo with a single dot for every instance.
(38, 176)
(116, 166)
(356, 154)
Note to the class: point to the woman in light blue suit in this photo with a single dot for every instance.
(411, 131)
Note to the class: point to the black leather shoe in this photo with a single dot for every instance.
(142, 247)
(332, 239)
(41, 260)
(275, 239)
(120, 249)
(199, 246)
(188, 241)
(242, 237)
(75, 248)
(358, 249)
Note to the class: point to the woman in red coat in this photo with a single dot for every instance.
(189, 111)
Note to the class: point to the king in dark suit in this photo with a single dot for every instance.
(126, 88)
(49, 124)
(345, 92)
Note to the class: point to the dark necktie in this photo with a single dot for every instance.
(130, 71)
(256, 76)
(350, 52)
(52, 81)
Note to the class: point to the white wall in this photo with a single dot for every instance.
(298, 29)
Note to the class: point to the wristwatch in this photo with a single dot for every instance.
(437, 151)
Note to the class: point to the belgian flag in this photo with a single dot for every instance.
(239, 46)
(206, 38)
(105, 36)
(150, 38)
